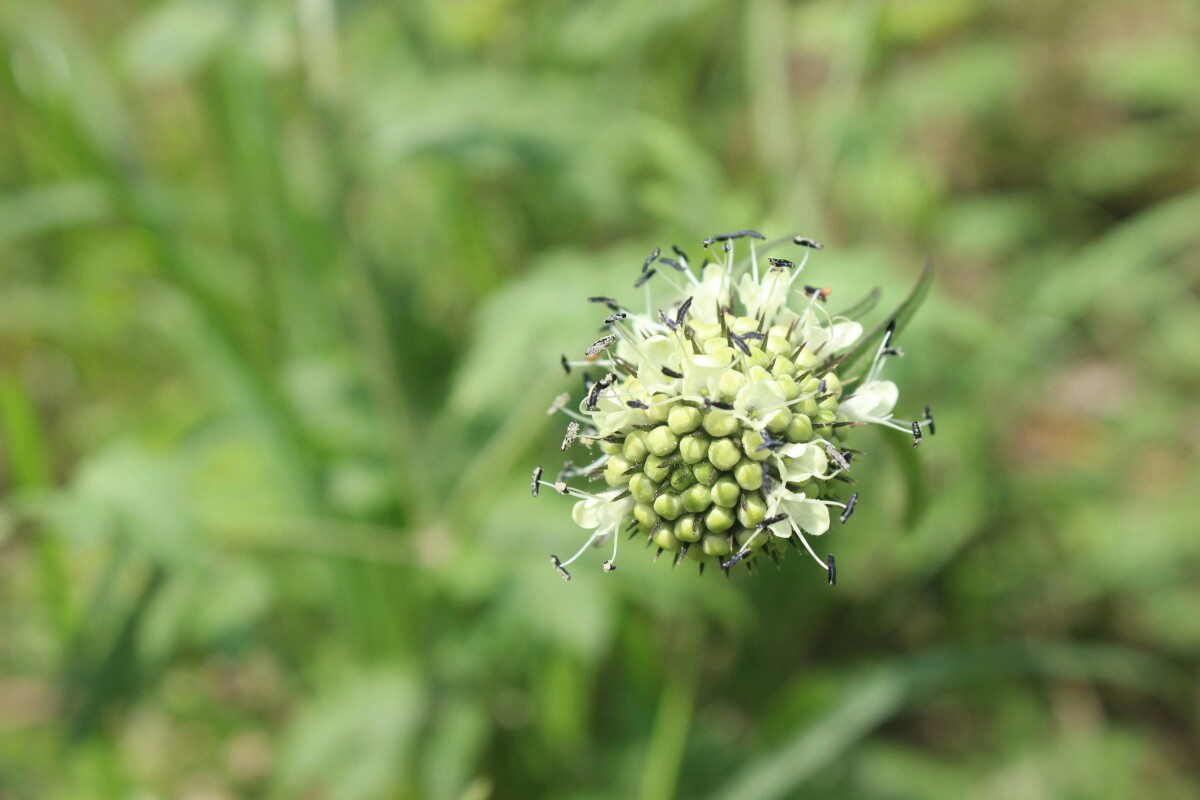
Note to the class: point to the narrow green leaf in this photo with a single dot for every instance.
(862, 307)
(859, 356)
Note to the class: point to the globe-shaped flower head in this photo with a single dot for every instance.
(720, 418)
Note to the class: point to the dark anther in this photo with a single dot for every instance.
(650, 259)
(598, 345)
(572, 432)
(645, 277)
(537, 476)
(609, 566)
(887, 335)
(769, 442)
(679, 252)
(608, 301)
(850, 504)
(740, 342)
(566, 365)
(916, 428)
(832, 567)
(732, 561)
(722, 405)
(766, 523)
(767, 483)
(670, 373)
(804, 241)
(754, 335)
(721, 237)
(781, 263)
(673, 264)
(566, 576)
(683, 309)
(636, 404)
(929, 420)
(561, 488)
(726, 246)
(670, 323)
(617, 317)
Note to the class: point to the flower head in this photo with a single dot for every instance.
(721, 418)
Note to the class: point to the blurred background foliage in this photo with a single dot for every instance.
(283, 287)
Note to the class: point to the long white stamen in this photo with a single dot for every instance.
(596, 534)
(807, 547)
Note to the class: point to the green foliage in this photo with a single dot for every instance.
(283, 289)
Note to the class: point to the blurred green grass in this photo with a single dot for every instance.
(283, 288)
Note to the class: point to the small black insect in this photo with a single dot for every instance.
(781, 263)
(850, 504)
(537, 477)
(817, 292)
(804, 241)
(645, 277)
(650, 259)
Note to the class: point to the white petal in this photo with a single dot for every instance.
(707, 293)
(872, 402)
(585, 513)
(811, 515)
(809, 461)
(701, 372)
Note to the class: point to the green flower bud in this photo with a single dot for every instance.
(681, 478)
(779, 422)
(719, 519)
(684, 419)
(713, 345)
(778, 345)
(807, 359)
(789, 387)
(810, 385)
(807, 406)
(660, 407)
(723, 454)
(751, 441)
(741, 325)
(826, 416)
(642, 488)
(746, 535)
(730, 383)
(614, 471)
(687, 528)
(829, 404)
(664, 537)
(783, 367)
(758, 357)
(800, 429)
(752, 510)
(720, 423)
(634, 449)
(707, 330)
(705, 473)
(610, 448)
(693, 448)
(661, 442)
(716, 545)
(655, 469)
(725, 492)
(696, 498)
(833, 384)
(645, 516)
(748, 474)
(668, 506)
